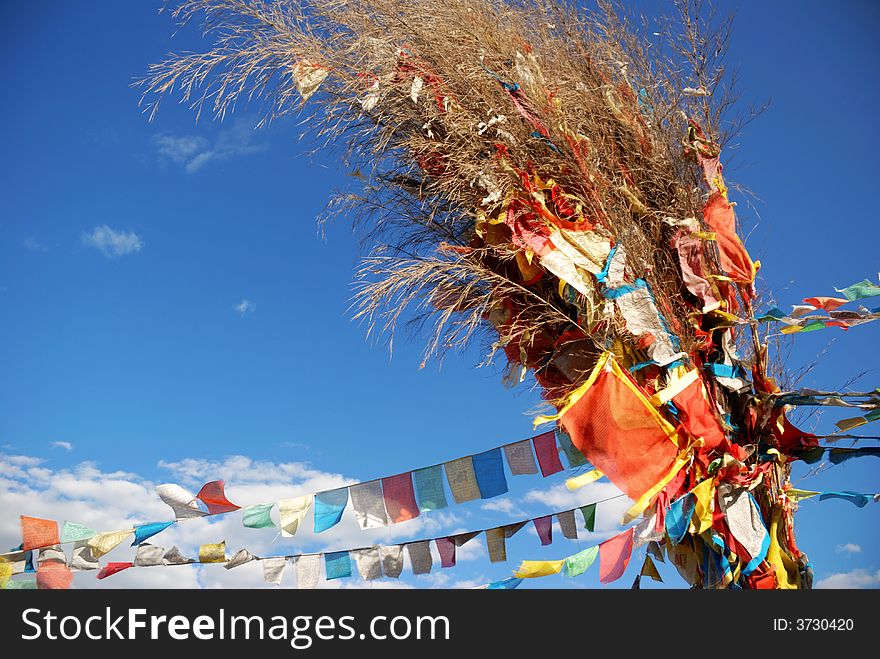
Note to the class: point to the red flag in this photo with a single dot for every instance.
(548, 454)
(400, 500)
(446, 549)
(614, 556)
(544, 527)
(697, 416)
(827, 303)
(214, 497)
(735, 260)
(112, 568)
(36, 533)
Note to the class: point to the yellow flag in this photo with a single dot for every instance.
(213, 553)
(703, 495)
(849, 424)
(106, 541)
(578, 482)
(532, 569)
(650, 570)
(5, 572)
(799, 495)
(787, 573)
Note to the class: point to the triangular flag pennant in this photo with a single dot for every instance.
(113, 568)
(36, 533)
(181, 501)
(614, 555)
(678, 517)
(106, 541)
(144, 531)
(213, 496)
(650, 570)
(292, 512)
(73, 532)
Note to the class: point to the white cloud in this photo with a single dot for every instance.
(34, 245)
(67, 446)
(856, 579)
(113, 243)
(503, 505)
(849, 548)
(195, 151)
(245, 308)
(608, 515)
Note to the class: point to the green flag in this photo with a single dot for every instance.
(589, 513)
(258, 517)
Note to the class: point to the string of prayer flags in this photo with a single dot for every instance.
(238, 559)
(855, 422)
(420, 556)
(291, 513)
(548, 454)
(567, 525)
(392, 560)
(462, 480)
(73, 532)
(429, 488)
(446, 550)
(308, 571)
(113, 568)
(533, 569)
(106, 541)
(589, 513)
(489, 472)
(273, 569)
(148, 555)
(368, 504)
(578, 563)
(859, 290)
(614, 555)
(575, 457)
(368, 563)
(400, 499)
(544, 527)
(213, 495)
(36, 532)
(213, 552)
(182, 502)
(337, 565)
(258, 516)
(144, 531)
(520, 458)
(329, 507)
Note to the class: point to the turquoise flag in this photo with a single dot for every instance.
(337, 565)
(429, 488)
(860, 290)
(72, 532)
(505, 584)
(329, 507)
(144, 531)
(258, 516)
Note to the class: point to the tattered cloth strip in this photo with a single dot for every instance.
(36, 533)
(183, 503)
(329, 507)
(462, 481)
(273, 569)
(489, 472)
(589, 513)
(544, 527)
(678, 517)
(368, 504)
(400, 499)
(213, 495)
(144, 531)
(548, 454)
(213, 552)
(368, 563)
(855, 498)
(579, 563)
(73, 532)
(258, 516)
(292, 512)
(704, 497)
(308, 571)
(446, 550)
(614, 555)
(149, 555)
(392, 560)
(83, 558)
(577, 482)
(113, 568)
(520, 458)
(693, 270)
(429, 488)
(337, 565)
(420, 556)
(241, 557)
(505, 584)
(718, 214)
(106, 541)
(745, 523)
(649, 569)
(567, 525)
(174, 557)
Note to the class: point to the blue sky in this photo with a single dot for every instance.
(166, 301)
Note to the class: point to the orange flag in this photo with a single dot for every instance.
(54, 575)
(214, 497)
(735, 260)
(36, 533)
(614, 555)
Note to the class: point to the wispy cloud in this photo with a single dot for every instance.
(503, 505)
(113, 243)
(34, 245)
(67, 446)
(849, 548)
(862, 579)
(193, 152)
(245, 308)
